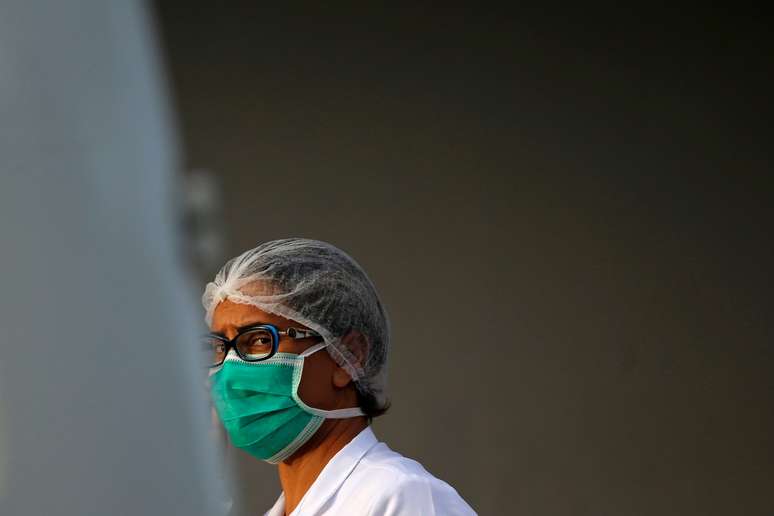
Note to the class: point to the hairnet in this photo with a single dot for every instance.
(319, 286)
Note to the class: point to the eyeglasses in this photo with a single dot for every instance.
(252, 344)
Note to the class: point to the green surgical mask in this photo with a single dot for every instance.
(258, 404)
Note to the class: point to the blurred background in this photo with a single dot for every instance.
(567, 215)
(102, 409)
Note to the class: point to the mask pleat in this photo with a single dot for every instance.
(255, 403)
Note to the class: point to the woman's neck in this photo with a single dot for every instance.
(298, 473)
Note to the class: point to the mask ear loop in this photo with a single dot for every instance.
(313, 349)
(329, 414)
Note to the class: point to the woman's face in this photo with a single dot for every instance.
(323, 384)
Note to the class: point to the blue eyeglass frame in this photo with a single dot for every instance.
(276, 333)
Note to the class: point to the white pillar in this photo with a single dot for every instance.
(98, 386)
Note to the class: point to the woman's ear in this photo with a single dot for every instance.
(357, 344)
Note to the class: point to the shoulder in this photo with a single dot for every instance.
(397, 485)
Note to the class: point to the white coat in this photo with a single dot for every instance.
(367, 478)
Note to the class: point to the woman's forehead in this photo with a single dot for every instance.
(229, 315)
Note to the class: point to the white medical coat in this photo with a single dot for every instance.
(367, 478)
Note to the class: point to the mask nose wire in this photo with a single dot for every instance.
(233, 355)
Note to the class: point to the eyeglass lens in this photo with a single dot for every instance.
(251, 345)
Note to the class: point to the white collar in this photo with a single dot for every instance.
(331, 477)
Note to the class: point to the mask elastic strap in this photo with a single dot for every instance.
(313, 349)
(343, 413)
(330, 414)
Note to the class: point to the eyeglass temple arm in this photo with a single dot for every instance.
(295, 333)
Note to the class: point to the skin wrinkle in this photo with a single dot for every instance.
(324, 384)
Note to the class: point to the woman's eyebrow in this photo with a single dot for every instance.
(242, 328)
(251, 325)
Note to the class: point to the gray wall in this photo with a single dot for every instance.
(566, 222)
